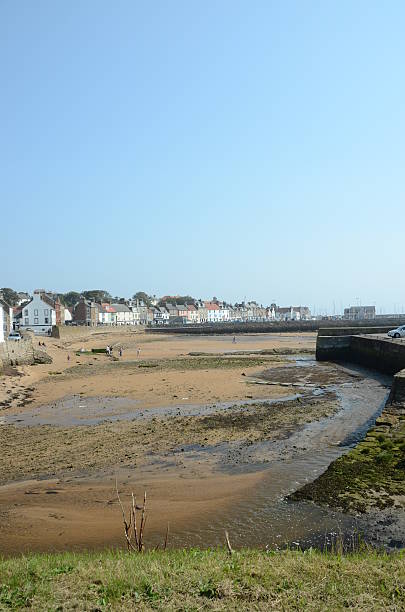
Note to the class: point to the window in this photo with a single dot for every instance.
(26, 313)
(35, 312)
(26, 321)
(36, 321)
(46, 320)
(46, 312)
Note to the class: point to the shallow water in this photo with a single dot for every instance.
(74, 410)
(266, 518)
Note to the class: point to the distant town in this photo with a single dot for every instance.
(42, 310)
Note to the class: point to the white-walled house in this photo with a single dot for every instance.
(124, 315)
(39, 314)
(213, 312)
(293, 313)
(2, 325)
(68, 315)
(6, 317)
(106, 314)
(224, 313)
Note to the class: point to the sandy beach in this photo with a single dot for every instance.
(58, 478)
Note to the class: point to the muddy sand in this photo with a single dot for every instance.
(198, 431)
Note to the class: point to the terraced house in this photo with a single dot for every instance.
(86, 313)
(106, 314)
(123, 314)
(41, 313)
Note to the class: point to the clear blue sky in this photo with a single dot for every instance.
(224, 148)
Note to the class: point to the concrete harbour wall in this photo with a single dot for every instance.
(355, 346)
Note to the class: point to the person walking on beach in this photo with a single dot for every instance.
(234, 340)
(120, 351)
(107, 350)
(138, 351)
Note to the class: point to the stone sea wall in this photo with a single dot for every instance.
(16, 352)
(21, 352)
(275, 327)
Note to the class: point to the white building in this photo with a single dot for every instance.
(68, 315)
(106, 314)
(6, 317)
(39, 314)
(293, 313)
(123, 314)
(224, 313)
(216, 313)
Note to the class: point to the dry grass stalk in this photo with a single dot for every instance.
(167, 537)
(134, 538)
(228, 544)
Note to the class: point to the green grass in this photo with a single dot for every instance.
(203, 363)
(204, 580)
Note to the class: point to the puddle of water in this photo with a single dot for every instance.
(73, 411)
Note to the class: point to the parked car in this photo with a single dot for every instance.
(14, 335)
(398, 332)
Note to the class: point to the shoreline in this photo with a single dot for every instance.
(369, 481)
(203, 433)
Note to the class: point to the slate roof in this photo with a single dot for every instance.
(120, 308)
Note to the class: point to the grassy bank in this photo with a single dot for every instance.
(204, 580)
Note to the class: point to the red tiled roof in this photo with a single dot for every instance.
(211, 306)
(108, 308)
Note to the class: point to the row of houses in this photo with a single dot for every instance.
(40, 312)
(135, 312)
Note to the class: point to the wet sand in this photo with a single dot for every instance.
(200, 436)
